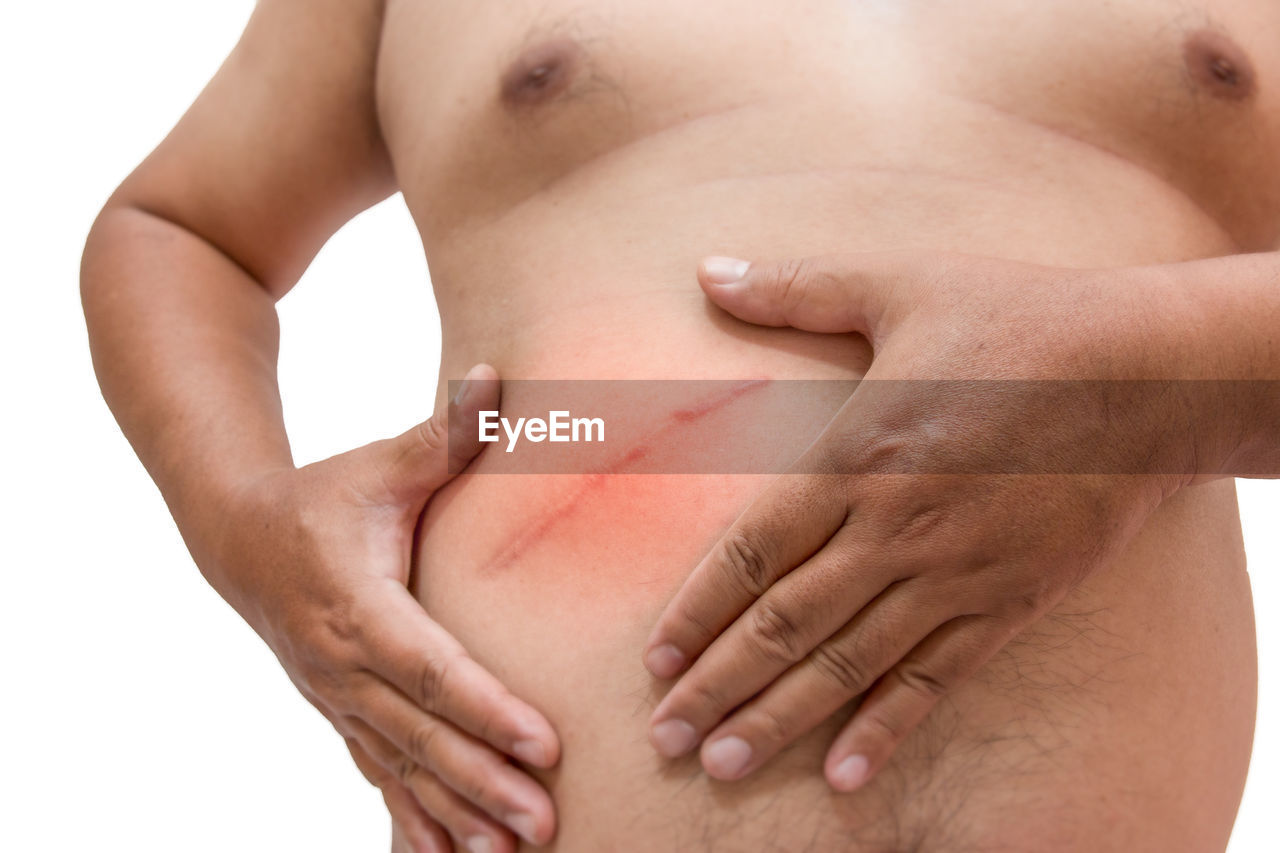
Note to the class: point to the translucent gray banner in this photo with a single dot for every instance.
(772, 426)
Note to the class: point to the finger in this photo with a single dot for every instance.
(412, 839)
(468, 826)
(853, 292)
(472, 769)
(416, 831)
(835, 672)
(427, 664)
(409, 468)
(465, 824)
(782, 528)
(779, 630)
(907, 692)
(374, 773)
(459, 821)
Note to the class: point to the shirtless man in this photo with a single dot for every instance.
(567, 166)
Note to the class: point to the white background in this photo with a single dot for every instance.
(138, 713)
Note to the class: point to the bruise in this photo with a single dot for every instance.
(1219, 66)
(541, 72)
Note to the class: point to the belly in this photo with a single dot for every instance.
(1122, 721)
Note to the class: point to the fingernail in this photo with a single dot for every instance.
(725, 270)
(674, 737)
(530, 752)
(850, 773)
(523, 825)
(664, 661)
(727, 757)
(479, 844)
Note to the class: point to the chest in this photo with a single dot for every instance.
(495, 99)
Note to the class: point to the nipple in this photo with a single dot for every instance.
(1219, 66)
(540, 73)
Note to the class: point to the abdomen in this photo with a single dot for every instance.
(1123, 720)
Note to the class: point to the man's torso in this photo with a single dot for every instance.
(567, 164)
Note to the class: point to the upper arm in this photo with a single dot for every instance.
(282, 147)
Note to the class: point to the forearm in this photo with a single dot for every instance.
(1236, 330)
(184, 342)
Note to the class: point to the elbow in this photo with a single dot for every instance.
(130, 240)
(99, 244)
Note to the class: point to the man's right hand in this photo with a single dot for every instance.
(317, 560)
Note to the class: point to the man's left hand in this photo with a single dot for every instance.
(931, 522)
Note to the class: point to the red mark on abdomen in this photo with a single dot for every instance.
(685, 416)
(592, 483)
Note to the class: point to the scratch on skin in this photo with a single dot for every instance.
(575, 499)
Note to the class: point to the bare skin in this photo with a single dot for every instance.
(908, 573)
(567, 168)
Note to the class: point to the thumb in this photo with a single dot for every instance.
(413, 465)
(828, 293)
